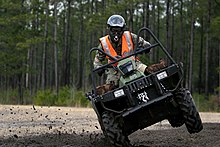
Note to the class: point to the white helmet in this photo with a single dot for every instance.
(116, 21)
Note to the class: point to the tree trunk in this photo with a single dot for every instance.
(85, 53)
(158, 26)
(168, 25)
(44, 57)
(219, 74)
(30, 77)
(201, 57)
(191, 46)
(172, 30)
(153, 26)
(19, 66)
(181, 48)
(27, 69)
(20, 91)
(146, 17)
(68, 44)
(55, 49)
(131, 27)
(80, 53)
(207, 51)
(36, 65)
(66, 50)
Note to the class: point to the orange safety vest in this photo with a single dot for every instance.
(127, 45)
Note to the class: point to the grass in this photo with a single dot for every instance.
(212, 104)
(69, 96)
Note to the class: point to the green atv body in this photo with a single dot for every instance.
(128, 70)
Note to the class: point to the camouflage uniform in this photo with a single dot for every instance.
(112, 75)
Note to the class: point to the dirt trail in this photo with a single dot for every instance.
(78, 127)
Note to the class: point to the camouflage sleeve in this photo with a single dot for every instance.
(99, 57)
(141, 41)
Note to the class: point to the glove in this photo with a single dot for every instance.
(155, 67)
(146, 45)
(147, 51)
(104, 88)
(140, 49)
(100, 72)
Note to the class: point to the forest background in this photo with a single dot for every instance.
(44, 45)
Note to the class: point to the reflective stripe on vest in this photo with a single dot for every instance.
(107, 46)
(127, 45)
(128, 41)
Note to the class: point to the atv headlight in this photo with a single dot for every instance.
(126, 68)
(162, 75)
(119, 93)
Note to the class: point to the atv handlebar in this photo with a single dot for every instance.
(115, 60)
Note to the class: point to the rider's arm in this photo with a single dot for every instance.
(99, 57)
(141, 42)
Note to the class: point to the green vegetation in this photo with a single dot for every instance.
(8, 96)
(66, 97)
(206, 105)
(69, 96)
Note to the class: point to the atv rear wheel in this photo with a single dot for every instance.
(190, 114)
(113, 131)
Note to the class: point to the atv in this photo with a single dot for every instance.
(141, 100)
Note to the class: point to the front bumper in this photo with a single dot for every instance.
(148, 113)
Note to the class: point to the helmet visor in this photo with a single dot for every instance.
(116, 30)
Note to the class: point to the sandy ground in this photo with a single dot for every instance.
(78, 127)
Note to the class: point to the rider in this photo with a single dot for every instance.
(118, 43)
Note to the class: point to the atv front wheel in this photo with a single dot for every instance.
(113, 131)
(176, 121)
(190, 114)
